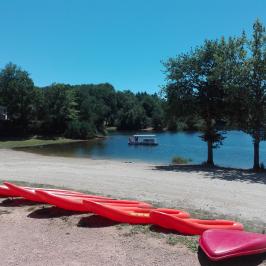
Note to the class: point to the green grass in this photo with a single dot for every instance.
(180, 160)
(191, 242)
(22, 143)
(171, 238)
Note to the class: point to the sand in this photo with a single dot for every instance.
(230, 192)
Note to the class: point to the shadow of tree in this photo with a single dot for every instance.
(229, 174)
(252, 260)
(17, 202)
(95, 221)
(50, 212)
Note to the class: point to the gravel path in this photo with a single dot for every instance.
(216, 191)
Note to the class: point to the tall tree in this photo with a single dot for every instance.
(17, 94)
(253, 97)
(60, 105)
(131, 115)
(196, 87)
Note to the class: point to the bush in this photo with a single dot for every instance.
(180, 160)
(80, 130)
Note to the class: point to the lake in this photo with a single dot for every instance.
(237, 150)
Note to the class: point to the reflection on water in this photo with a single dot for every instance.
(237, 150)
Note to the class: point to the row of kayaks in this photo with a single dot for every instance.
(123, 211)
(137, 212)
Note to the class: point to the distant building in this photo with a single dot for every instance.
(3, 113)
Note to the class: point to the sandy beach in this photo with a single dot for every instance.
(226, 192)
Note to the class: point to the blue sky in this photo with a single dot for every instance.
(116, 41)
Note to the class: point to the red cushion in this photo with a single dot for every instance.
(223, 244)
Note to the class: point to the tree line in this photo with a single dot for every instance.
(75, 111)
(222, 84)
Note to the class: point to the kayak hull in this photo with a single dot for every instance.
(6, 192)
(131, 215)
(75, 202)
(30, 193)
(191, 226)
(225, 244)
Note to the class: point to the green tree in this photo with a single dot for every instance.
(97, 104)
(250, 98)
(153, 107)
(196, 87)
(60, 105)
(131, 114)
(17, 93)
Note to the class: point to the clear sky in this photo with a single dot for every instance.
(117, 41)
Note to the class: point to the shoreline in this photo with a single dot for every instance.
(212, 191)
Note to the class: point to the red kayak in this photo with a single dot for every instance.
(225, 244)
(191, 226)
(75, 202)
(30, 193)
(6, 192)
(131, 215)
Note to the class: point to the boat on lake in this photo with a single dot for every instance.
(149, 140)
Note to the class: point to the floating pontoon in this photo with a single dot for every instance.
(143, 140)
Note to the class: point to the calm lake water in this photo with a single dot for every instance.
(237, 150)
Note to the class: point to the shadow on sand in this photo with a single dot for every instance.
(17, 202)
(252, 260)
(229, 174)
(158, 229)
(95, 221)
(50, 212)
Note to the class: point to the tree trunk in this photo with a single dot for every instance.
(210, 153)
(256, 164)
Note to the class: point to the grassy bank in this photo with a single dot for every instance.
(34, 141)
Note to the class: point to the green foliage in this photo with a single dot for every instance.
(97, 104)
(60, 107)
(17, 94)
(248, 96)
(78, 111)
(80, 130)
(180, 160)
(131, 114)
(223, 84)
(196, 87)
(256, 89)
(200, 85)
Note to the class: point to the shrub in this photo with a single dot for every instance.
(180, 160)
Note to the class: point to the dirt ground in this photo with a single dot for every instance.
(35, 235)
(238, 193)
(44, 235)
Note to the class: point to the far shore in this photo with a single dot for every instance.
(239, 194)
